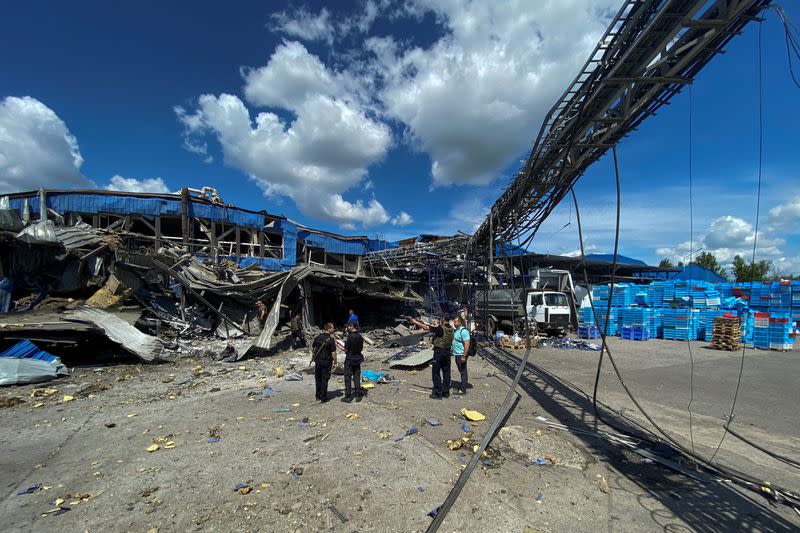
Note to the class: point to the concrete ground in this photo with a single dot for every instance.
(217, 427)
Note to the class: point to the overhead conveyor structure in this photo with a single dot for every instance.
(650, 51)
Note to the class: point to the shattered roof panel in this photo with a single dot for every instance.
(145, 346)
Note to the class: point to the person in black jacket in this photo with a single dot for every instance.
(323, 354)
(353, 347)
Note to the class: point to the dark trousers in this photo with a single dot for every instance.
(352, 379)
(298, 339)
(322, 373)
(462, 368)
(440, 372)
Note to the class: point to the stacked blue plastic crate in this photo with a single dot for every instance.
(681, 324)
(761, 330)
(586, 316)
(636, 323)
(780, 330)
(796, 301)
(706, 330)
(656, 328)
(613, 320)
(622, 296)
(657, 294)
(587, 328)
(635, 333)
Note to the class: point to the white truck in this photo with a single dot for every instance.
(548, 302)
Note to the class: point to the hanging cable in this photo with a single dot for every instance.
(691, 249)
(739, 477)
(792, 41)
(760, 97)
(604, 346)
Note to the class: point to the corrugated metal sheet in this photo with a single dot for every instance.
(25, 349)
(415, 359)
(145, 346)
(79, 236)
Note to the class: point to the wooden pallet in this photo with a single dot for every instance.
(725, 347)
(508, 342)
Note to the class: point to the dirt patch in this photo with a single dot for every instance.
(542, 447)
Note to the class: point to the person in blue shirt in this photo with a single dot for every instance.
(353, 318)
(460, 349)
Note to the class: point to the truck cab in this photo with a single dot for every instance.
(550, 310)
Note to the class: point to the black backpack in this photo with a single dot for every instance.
(473, 346)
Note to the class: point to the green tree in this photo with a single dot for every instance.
(745, 271)
(709, 261)
(666, 263)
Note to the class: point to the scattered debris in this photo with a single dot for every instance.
(472, 416)
(602, 484)
(152, 448)
(33, 488)
(109, 424)
(25, 363)
(433, 422)
(352, 416)
(10, 401)
(242, 488)
(338, 514)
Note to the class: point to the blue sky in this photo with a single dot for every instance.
(379, 118)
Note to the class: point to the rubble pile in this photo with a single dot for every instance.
(66, 284)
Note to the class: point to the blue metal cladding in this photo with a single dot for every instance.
(376, 245)
(151, 206)
(66, 202)
(25, 349)
(332, 244)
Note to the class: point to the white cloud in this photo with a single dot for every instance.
(785, 217)
(36, 148)
(291, 77)
(474, 100)
(304, 25)
(726, 237)
(154, 185)
(402, 219)
(324, 152)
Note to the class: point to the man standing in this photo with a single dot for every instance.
(353, 347)
(323, 354)
(440, 367)
(296, 327)
(352, 318)
(461, 342)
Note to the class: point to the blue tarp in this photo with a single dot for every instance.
(697, 272)
(621, 259)
(105, 202)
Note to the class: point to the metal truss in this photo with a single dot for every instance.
(449, 254)
(650, 51)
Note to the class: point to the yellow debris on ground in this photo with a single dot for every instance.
(35, 393)
(352, 416)
(279, 372)
(368, 386)
(455, 444)
(67, 398)
(472, 416)
(152, 448)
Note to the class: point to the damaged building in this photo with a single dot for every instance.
(192, 264)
